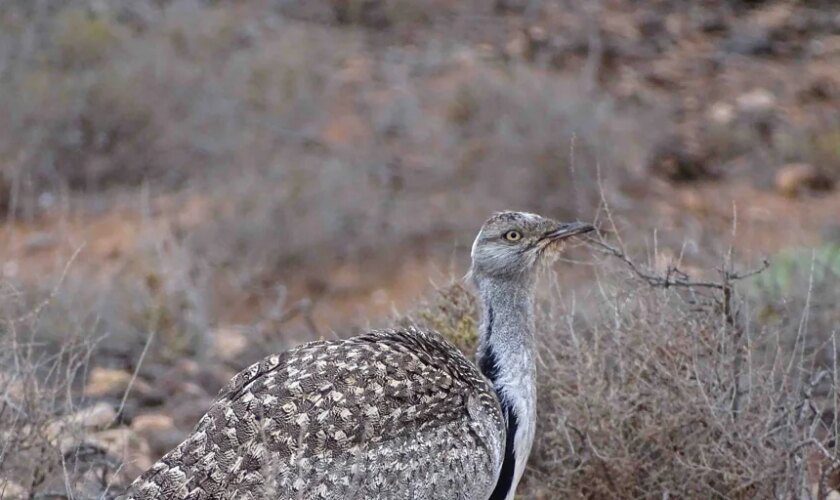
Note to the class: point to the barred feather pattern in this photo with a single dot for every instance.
(396, 414)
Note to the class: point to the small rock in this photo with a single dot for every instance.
(65, 431)
(486, 51)
(721, 113)
(819, 89)
(152, 422)
(229, 343)
(189, 379)
(97, 416)
(186, 411)
(795, 178)
(537, 35)
(124, 444)
(46, 200)
(756, 102)
(146, 394)
(159, 431)
(12, 490)
(749, 40)
(712, 22)
(188, 367)
(517, 46)
(39, 241)
(107, 382)
(695, 202)
(10, 269)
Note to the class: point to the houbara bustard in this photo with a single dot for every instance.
(389, 414)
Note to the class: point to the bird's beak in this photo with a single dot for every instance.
(567, 230)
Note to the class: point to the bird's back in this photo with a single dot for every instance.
(388, 414)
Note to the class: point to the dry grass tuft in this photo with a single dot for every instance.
(452, 311)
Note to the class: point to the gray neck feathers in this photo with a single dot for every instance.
(506, 356)
(507, 319)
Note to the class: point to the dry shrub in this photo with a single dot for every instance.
(81, 116)
(42, 448)
(166, 294)
(678, 391)
(81, 39)
(93, 102)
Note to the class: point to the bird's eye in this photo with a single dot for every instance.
(513, 235)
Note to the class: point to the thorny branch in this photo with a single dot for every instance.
(674, 277)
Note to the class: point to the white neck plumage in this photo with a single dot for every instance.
(506, 356)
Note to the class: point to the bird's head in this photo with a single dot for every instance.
(511, 245)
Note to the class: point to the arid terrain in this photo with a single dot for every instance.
(188, 185)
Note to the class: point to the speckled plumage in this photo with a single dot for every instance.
(387, 414)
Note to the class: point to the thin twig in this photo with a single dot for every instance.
(674, 277)
(34, 313)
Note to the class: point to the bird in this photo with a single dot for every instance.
(388, 414)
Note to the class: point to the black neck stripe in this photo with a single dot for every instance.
(489, 366)
(490, 317)
(487, 362)
(505, 481)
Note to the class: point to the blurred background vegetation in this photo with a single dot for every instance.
(186, 185)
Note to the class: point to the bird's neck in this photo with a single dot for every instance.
(506, 356)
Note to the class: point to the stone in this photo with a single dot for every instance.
(65, 430)
(158, 430)
(40, 241)
(106, 382)
(95, 417)
(229, 343)
(124, 444)
(749, 40)
(152, 422)
(756, 102)
(12, 490)
(517, 46)
(721, 113)
(795, 178)
(186, 411)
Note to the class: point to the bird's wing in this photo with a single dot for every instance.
(389, 414)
